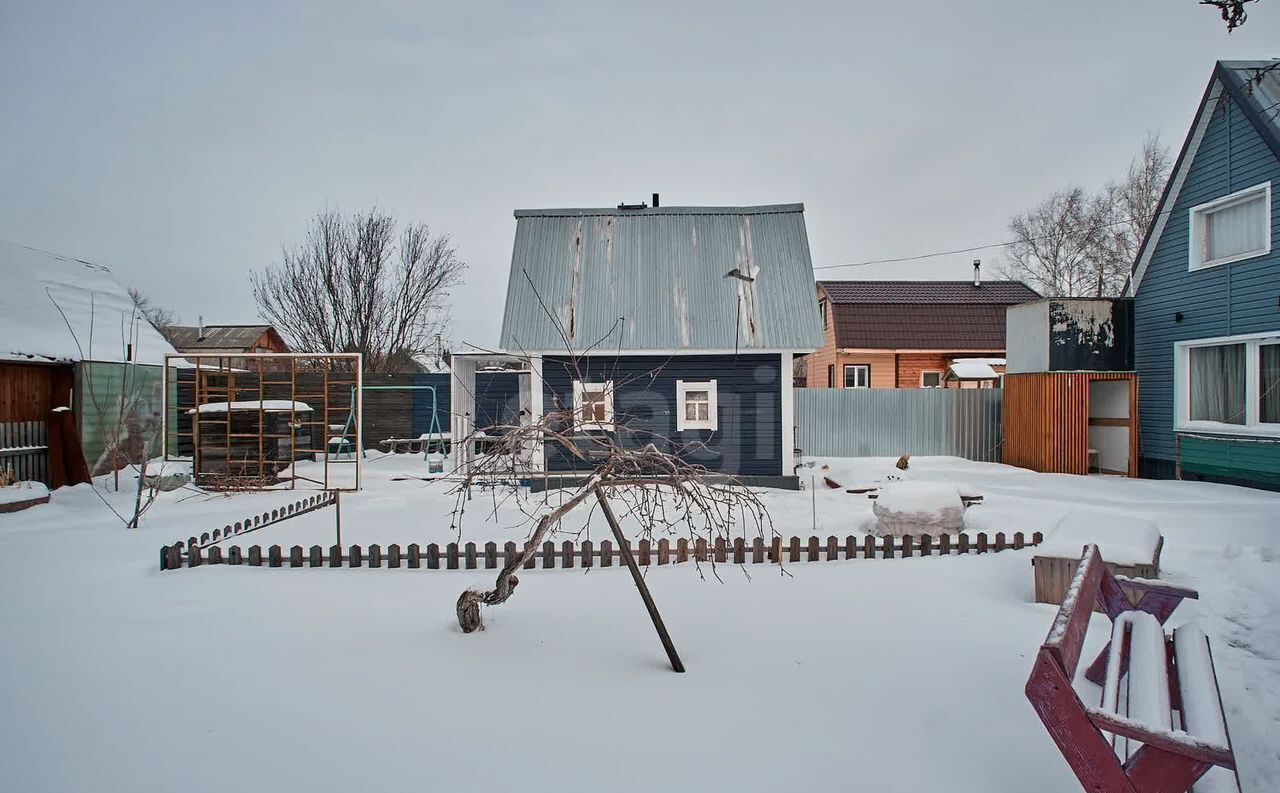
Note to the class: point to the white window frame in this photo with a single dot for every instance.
(940, 375)
(579, 389)
(822, 309)
(844, 375)
(1252, 386)
(683, 387)
(1198, 213)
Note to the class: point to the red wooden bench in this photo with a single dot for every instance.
(1160, 724)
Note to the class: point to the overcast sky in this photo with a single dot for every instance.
(183, 144)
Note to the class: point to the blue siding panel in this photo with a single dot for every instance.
(749, 393)
(1221, 301)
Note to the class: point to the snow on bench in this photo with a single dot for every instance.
(1130, 741)
(1121, 539)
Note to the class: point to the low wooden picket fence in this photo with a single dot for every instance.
(471, 556)
(327, 498)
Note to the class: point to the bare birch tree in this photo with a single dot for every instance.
(357, 284)
(1077, 244)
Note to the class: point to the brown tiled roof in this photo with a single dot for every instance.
(216, 337)
(920, 327)
(1004, 293)
(922, 315)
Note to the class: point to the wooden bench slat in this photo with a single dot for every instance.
(1198, 686)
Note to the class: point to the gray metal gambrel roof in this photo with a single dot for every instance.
(658, 279)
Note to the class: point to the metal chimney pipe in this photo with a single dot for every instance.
(199, 326)
(977, 272)
(655, 200)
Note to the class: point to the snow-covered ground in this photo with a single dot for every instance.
(854, 675)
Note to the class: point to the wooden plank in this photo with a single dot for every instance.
(700, 550)
(509, 553)
(451, 556)
(606, 553)
(793, 550)
(490, 555)
(235, 555)
(215, 555)
(850, 547)
(664, 551)
(393, 555)
(1000, 543)
(316, 556)
(375, 555)
(739, 551)
(643, 558)
(295, 556)
(275, 556)
(548, 554)
(469, 555)
(335, 556)
(255, 556)
(682, 550)
(588, 553)
(926, 545)
(354, 556)
(532, 561)
(944, 544)
(413, 556)
(833, 548)
(811, 552)
(567, 554)
(868, 547)
(907, 546)
(721, 554)
(886, 547)
(981, 545)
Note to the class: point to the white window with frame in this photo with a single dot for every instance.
(1231, 228)
(696, 405)
(822, 309)
(1229, 385)
(857, 375)
(593, 405)
(931, 379)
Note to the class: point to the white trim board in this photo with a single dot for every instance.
(1165, 208)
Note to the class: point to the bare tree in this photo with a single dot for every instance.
(1076, 244)
(1053, 245)
(1233, 11)
(355, 284)
(162, 319)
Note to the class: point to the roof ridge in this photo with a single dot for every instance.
(760, 209)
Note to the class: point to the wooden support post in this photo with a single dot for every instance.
(490, 555)
(335, 556)
(630, 561)
(833, 548)
(414, 555)
(295, 556)
(868, 547)
(588, 553)
(757, 551)
(393, 555)
(606, 553)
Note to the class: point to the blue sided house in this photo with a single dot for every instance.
(1206, 289)
(675, 326)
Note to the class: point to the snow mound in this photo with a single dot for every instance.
(22, 491)
(918, 508)
(1121, 539)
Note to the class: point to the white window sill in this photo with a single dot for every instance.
(702, 426)
(1239, 257)
(593, 428)
(1228, 430)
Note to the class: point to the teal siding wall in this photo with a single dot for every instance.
(1220, 301)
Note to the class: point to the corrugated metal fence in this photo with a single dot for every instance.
(887, 422)
(24, 448)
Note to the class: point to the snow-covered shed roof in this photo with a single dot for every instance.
(975, 369)
(55, 308)
(661, 279)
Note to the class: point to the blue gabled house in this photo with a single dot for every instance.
(1206, 289)
(668, 325)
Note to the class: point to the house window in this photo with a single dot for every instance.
(593, 405)
(1229, 385)
(931, 379)
(822, 309)
(695, 405)
(857, 375)
(831, 376)
(1231, 228)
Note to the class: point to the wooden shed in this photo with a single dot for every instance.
(1070, 392)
